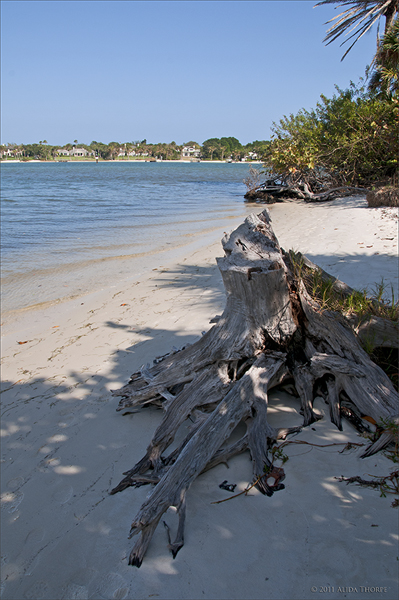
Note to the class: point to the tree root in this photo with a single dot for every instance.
(271, 333)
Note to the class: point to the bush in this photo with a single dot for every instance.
(351, 139)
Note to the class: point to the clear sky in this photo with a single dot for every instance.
(167, 70)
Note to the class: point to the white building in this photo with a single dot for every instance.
(10, 151)
(124, 152)
(190, 152)
(75, 152)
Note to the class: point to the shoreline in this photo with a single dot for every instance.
(64, 446)
(179, 161)
(337, 259)
(64, 282)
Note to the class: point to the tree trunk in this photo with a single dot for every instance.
(390, 14)
(270, 331)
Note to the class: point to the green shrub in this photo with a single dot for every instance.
(350, 139)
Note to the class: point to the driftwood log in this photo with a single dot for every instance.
(270, 333)
(279, 189)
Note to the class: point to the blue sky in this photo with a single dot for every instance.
(125, 71)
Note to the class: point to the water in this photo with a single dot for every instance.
(69, 228)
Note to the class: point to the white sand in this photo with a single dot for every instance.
(64, 446)
(356, 244)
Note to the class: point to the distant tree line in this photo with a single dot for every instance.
(230, 147)
(225, 148)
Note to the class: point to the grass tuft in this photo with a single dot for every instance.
(358, 303)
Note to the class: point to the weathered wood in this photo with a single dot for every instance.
(375, 331)
(271, 333)
(315, 186)
(271, 194)
(199, 451)
(386, 196)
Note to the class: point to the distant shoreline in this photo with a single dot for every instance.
(91, 160)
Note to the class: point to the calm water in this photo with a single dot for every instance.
(69, 228)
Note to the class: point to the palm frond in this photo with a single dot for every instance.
(357, 20)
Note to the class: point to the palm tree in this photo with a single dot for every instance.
(212, 149)
(54, 151)
(384, 78)
(359, 18)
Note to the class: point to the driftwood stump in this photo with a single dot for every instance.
(271, 332)
(386, 196)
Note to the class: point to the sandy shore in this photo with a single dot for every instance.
(64, 446)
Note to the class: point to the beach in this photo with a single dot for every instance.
(64, 447)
